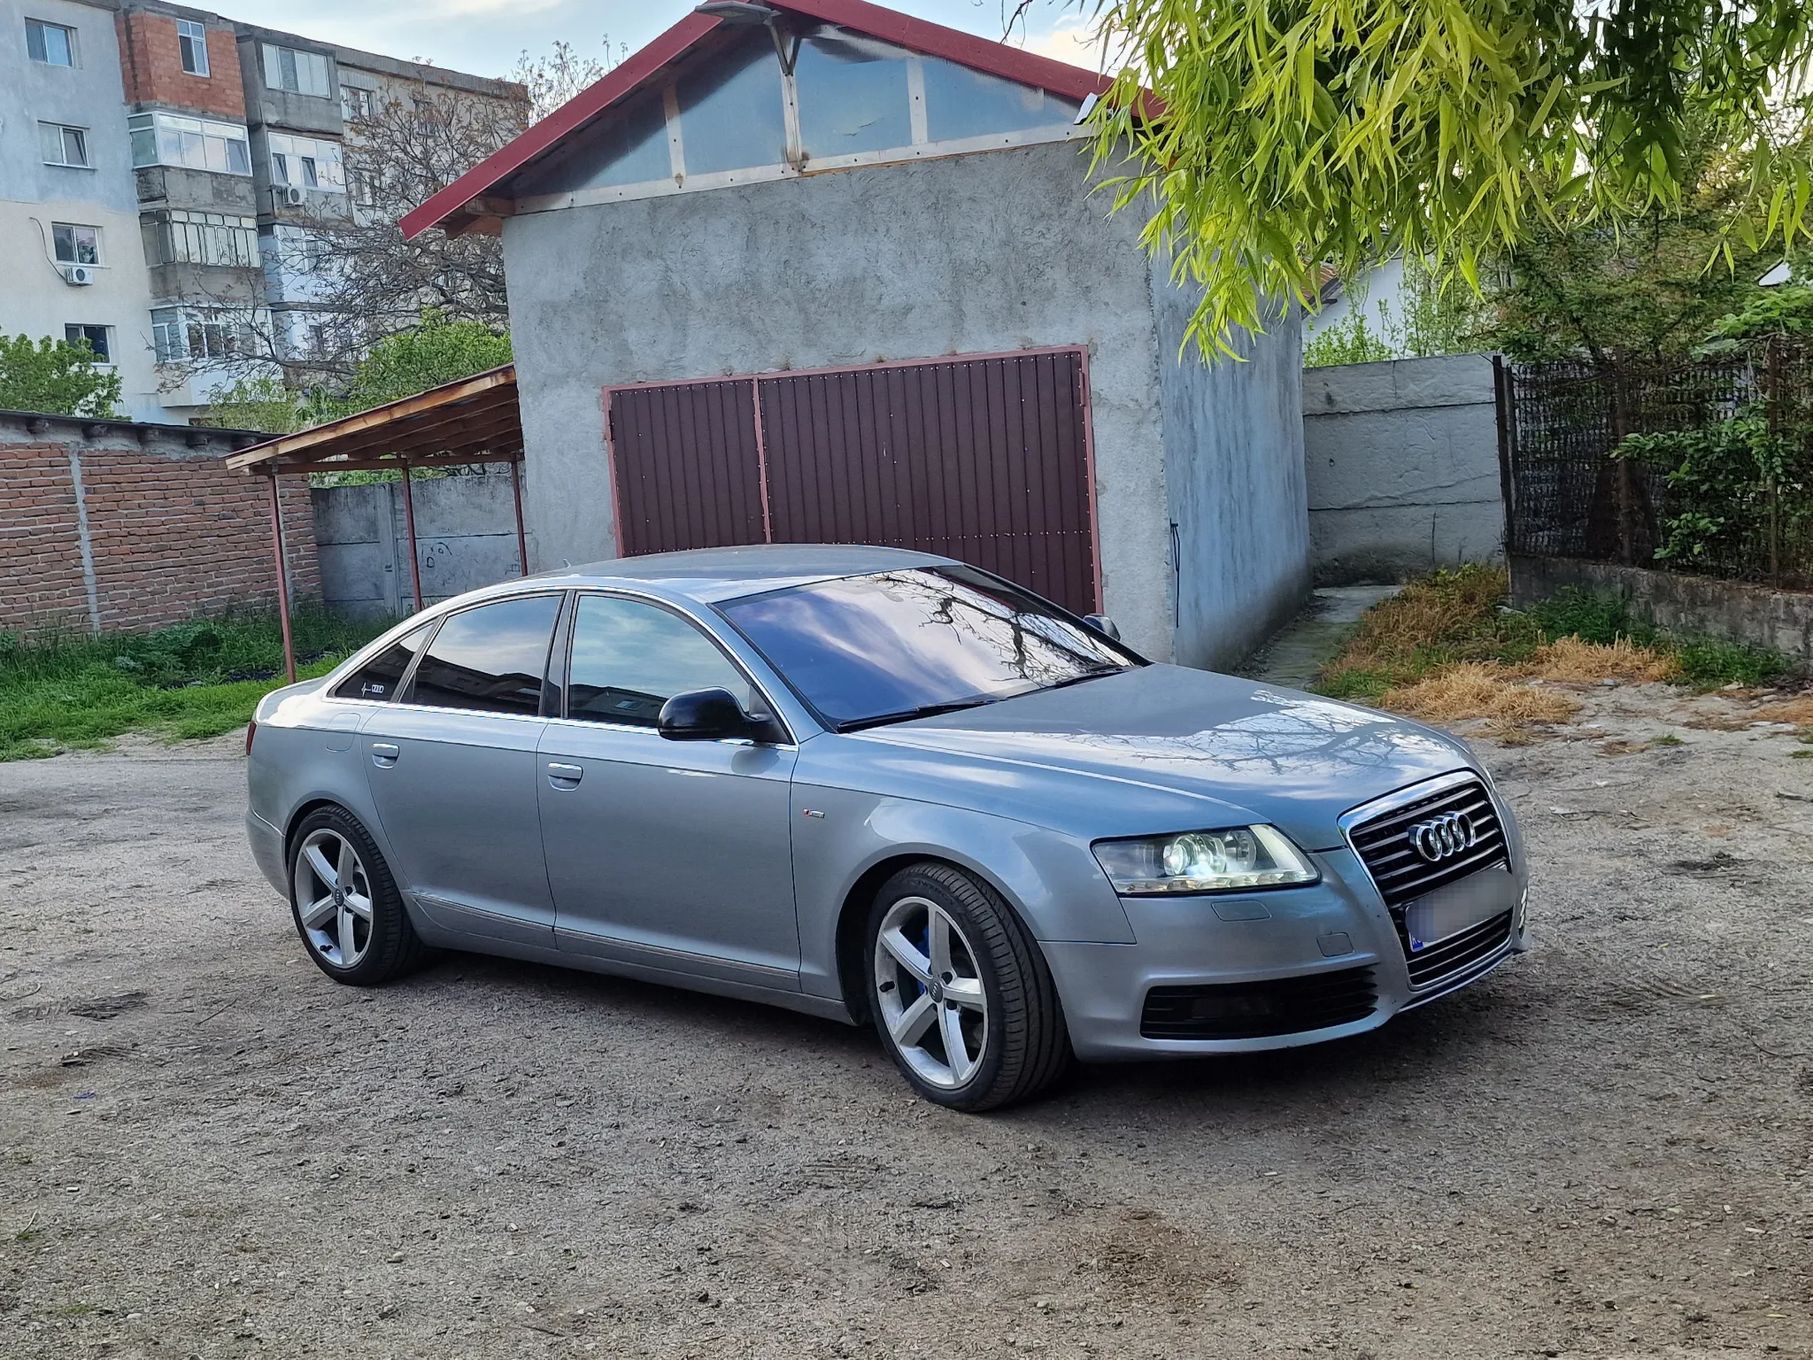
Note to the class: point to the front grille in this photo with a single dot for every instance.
(1459, 953)
(1257, 1010)
(1401, 874)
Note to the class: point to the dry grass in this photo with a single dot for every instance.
(1473, 689)
(1568, 660)
(1798, 711)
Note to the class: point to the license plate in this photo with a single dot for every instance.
(1459, 906)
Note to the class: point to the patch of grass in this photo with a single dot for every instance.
(1477, 689)
(1456, 621)
(1667, 739)
(198, 679)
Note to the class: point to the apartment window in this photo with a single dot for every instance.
(59, 144)
(306, 162)
(360, 187)
(74, 244)
(52, 44)
(356, 103)
(190, 143)
(188, 334)
(181, 236)
(99, 340)
(192, 38)
(298, 72)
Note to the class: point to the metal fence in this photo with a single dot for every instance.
(1567, 495)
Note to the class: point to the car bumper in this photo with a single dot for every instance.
(267, 848)
(1274, 968)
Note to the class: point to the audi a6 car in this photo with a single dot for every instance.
(881, 787)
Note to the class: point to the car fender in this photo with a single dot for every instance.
(842, 837)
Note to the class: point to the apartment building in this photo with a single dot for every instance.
(162, 169)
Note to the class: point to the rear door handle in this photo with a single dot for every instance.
(384, 754)
(564, 776)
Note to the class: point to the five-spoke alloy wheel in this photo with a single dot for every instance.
(960, 991)
(347, 907)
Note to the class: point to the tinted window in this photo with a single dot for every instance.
(630, 658)
(380, 677)
(869, 649)
(491, 658)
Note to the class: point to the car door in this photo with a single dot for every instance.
(666, 854)
(452, 768)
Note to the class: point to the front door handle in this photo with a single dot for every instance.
(384, 754)
(564, 776)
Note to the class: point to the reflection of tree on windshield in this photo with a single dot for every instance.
(1034, 647)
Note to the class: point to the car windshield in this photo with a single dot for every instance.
(866, 650)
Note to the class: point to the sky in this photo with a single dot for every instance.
(485, 37)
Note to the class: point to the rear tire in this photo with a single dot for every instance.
(961, 995)
(345, 903)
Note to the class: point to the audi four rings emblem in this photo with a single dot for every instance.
(1443, 837)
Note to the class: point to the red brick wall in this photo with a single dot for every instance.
(40, 554)
(173, 536)
(151, 63)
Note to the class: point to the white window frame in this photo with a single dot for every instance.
(183, 129)
(301, 60)
(63, 130)
(357, 102)
(69, 41)
(315, 163)
(99, 260)
(192, 41)
(226, 240)
(177, 333)
(104, 356)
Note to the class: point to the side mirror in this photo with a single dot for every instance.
(710, 715)
(1103, 624)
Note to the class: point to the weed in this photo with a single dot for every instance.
(1473, 689)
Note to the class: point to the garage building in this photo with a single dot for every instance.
(819, 271)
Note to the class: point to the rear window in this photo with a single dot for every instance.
(492, 659)
(382, 676)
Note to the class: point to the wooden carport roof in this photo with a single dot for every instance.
(473, 420)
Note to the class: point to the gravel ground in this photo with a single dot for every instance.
(1606, 1150)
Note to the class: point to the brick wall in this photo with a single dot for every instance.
(172, 535)
(151, 64)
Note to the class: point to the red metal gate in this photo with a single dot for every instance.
(984, 458)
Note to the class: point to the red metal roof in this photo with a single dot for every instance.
(877, 21)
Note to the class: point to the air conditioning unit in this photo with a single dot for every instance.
(78, 275)
(293, 197)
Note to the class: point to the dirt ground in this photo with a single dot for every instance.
(208, 1150)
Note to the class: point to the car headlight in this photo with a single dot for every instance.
(1228, 860)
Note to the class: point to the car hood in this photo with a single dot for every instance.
(1169, 748)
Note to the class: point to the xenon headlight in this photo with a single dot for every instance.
(1229, 860)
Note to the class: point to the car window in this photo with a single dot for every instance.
(629, 658)
(380, 677)
(892, 645)
(492, 658)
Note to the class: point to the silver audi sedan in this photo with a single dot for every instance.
(880, 787)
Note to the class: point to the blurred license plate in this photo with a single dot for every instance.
(1449, 910)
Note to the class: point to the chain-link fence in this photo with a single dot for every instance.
(1730, 498)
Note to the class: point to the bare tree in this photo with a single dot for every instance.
(553, 79)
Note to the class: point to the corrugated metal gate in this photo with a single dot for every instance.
(982, 458)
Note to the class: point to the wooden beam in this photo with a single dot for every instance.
(290, 444)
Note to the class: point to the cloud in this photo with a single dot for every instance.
(1071, 39)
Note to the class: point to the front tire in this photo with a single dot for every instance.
(345, 903)
(960, 993)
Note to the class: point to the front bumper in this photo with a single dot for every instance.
(1243, 941)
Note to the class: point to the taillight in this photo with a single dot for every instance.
(251, 731)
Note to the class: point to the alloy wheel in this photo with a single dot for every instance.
(333, 898)
(929, 992)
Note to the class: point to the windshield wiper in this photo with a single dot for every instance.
(1078, 679)
(908, 714)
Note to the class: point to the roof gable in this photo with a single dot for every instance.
(696, 38)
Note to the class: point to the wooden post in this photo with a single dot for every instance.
(1772, 397)
(522, 541)
(1627, 481)
(415, 559)
(283, 580)
(1507, 488)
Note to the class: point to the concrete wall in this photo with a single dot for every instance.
(465, 532)
(1402, 460)
(1234, 482)
(970, 255)
(1735, 610)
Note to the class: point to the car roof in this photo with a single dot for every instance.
(710, 575)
